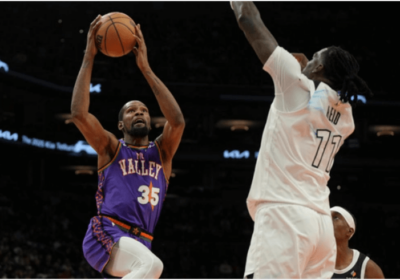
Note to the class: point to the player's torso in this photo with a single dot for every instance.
(355, 270)
(297, 151)
(133, 187)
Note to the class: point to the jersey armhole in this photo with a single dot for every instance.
(112, 160)
(364, 267)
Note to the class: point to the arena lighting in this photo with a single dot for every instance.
(77, 148)
(4, 66)
(385, 130)
(96, 88)
(83, 172)
(360, 98)
(385, 133)
(236, 154)
(63, 116)
(239, 127)
(8, 136)
(80, 146)
(158, 121)
(238, 124)
(81, 169)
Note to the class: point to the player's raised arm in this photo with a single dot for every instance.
(173, 129)
(102, 141)
(258, 35)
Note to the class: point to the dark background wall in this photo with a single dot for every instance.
(197, 49)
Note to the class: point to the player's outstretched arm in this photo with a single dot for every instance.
(373, 271)
(102, 141)
(259, 37)
(173, 129)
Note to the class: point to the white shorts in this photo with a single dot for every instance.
(291, 241)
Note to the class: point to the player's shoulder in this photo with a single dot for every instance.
(373, 270)
(332, 95)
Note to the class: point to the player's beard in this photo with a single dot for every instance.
(138, 131)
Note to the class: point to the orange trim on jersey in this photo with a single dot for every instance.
(137, 147)
(145, 235)
(127, 227)
(115, 156)
(162, 164)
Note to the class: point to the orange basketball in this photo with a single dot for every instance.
(115, 36)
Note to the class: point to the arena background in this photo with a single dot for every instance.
(48, 177)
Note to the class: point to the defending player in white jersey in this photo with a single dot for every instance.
(307, 124)
(350, 263)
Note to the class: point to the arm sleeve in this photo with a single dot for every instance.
(292, 88)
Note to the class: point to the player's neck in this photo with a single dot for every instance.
(344, 256)
(136, 141)
(323, 80)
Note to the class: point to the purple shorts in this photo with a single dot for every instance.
(99, 240)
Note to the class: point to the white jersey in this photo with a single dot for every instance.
(304, 131)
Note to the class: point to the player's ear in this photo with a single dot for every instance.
(317, 69)
(350, 232)
(120, 125)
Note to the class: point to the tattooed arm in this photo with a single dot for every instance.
(250, 22)
(173, 129)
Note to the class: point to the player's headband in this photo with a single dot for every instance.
(347, 216)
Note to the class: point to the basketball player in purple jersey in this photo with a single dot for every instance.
(133, 172)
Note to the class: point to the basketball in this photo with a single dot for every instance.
(115, 37)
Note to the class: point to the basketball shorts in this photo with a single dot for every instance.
(291, 241)
(101, 236)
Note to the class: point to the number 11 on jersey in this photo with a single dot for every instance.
(324, 149)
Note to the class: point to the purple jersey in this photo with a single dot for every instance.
(132, 187)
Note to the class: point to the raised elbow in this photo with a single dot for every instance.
(247, 13)
(179, 123)
(77, 115)
(243, 19)
(247, 21)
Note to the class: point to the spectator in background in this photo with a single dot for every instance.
(350, 263)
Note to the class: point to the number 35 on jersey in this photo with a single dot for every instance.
(149, 195)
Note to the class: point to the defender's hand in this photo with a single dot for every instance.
(302, 59)
(91, 48)
(140, 51)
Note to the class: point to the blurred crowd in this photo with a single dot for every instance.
(197, 237)
(42, 232)
(39, 237)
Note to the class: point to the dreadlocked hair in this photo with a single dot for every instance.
(341, 69)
